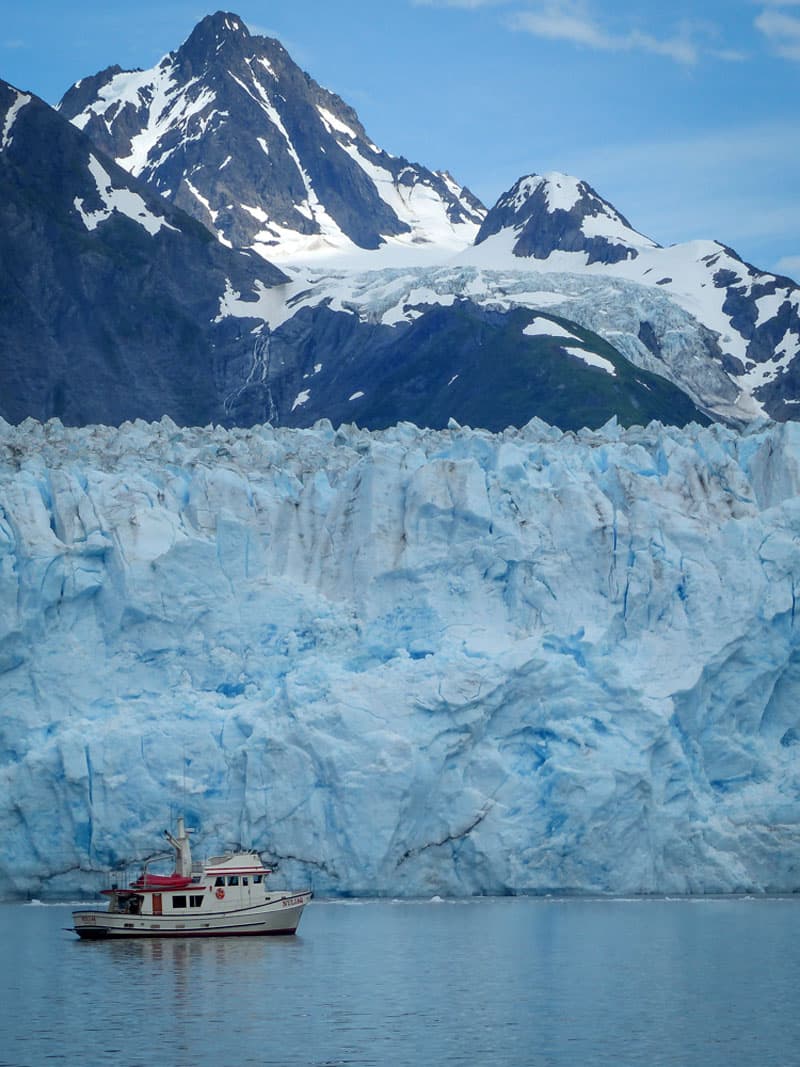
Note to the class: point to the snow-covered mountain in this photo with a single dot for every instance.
(119, 306)
(229, 128)
(114, 304)
(404, 662)
(555, 212)
(556, 222)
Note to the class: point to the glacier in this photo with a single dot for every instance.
(640, 321)
(404, 662)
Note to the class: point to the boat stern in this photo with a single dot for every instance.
(89, 925)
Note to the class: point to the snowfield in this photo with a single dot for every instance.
(404, 662)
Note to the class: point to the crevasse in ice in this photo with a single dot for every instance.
(405, 662)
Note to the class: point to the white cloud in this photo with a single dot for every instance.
(789, 265)
(561, 22)
(729, 55)
(572, 21)
(781, 30)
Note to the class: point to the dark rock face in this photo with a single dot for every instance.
(648, 337)
(110, 294)
(764, 309)
(463, 362)
(741, 304)
(547, 218)
(249, 144)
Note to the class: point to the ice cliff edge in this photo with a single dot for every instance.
(405, 662)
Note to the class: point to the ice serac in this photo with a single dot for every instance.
(404, 662)
(234, 132)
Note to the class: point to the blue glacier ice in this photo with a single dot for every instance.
(404, 662)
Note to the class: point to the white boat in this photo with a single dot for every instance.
(222, 896)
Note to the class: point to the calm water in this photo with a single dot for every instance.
(507, 982)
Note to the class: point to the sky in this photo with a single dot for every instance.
(684, 114)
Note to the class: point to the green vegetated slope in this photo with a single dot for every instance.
(479, 368)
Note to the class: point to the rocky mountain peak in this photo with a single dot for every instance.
(229, 128)
(214, 31)
(219, 42)
(557, 212)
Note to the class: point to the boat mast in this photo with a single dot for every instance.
(183, 851)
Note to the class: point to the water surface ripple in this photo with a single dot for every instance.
(517, 983)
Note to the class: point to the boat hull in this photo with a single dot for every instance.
(275, 918)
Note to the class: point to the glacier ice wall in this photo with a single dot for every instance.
(404, 662)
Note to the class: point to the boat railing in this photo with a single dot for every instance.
(230, 853)
(121, 877)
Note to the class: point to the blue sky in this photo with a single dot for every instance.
(685, 115)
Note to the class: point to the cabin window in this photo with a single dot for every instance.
(196, 901)
(179, 902)
(233, 879)
(244, 880)
(256, 879)
(220, 880)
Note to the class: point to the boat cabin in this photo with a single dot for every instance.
(230, 882)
